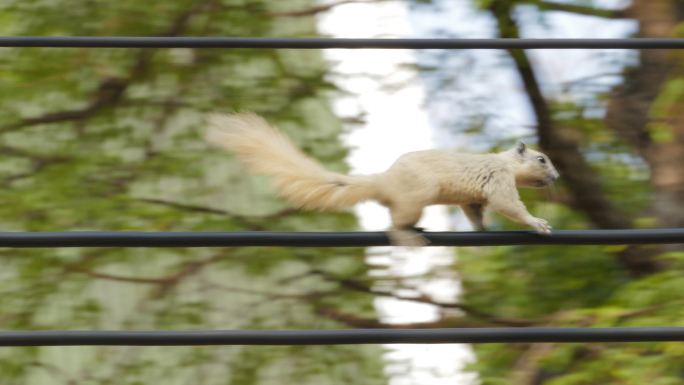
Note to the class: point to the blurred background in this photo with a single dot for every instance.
(109, 139)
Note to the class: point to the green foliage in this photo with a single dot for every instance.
(665, 105)
(586, 286)
(109, 139)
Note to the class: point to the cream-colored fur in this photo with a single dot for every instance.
(416, 180)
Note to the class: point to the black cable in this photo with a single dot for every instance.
(316, 43)
(339, 337)
(332, 239)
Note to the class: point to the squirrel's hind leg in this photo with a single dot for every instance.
(474, 212)
(404, 219)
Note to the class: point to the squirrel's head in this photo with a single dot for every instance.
(531, 168)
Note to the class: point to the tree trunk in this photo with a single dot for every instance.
(647, 119)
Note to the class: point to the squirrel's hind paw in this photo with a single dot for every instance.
(407, 238)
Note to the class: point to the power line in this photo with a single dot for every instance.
(338, 337)
(332, 239)
(318, 43)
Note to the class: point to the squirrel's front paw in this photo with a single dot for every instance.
(541, 225)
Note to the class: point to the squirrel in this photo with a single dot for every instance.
(416, 179)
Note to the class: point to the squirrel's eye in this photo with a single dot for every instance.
(541, 159)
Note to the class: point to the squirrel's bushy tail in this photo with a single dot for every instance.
(299, 179)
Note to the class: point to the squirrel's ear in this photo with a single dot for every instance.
(520, 148)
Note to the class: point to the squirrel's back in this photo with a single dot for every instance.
(443, 176)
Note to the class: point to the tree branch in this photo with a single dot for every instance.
(526, 370)
(580, 9)
(110, 91)
(422, 298)
(246, 221)
(271, 295)
(320, 8)
(165, 283)
(38, 164)
(355, 321)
